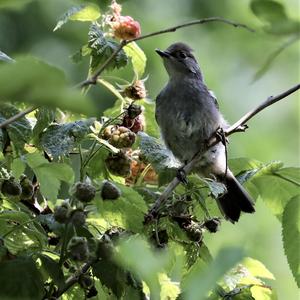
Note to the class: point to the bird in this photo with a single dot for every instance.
(187, 114)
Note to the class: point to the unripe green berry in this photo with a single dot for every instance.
(78, 249)
(62, 212)
(10, 187)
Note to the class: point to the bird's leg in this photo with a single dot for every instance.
(181, 175)
(220, 135)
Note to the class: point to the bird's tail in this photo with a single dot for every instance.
(235, 200)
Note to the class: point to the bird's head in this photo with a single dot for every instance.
(179, 61)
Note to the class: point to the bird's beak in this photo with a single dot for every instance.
(163, 54)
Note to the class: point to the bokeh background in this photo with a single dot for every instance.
(229, 58)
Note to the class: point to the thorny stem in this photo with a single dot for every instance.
(153, 212)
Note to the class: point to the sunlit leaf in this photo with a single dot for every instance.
(84, 12)
(291, 236)
(138, 58)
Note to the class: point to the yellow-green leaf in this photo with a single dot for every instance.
(138, 58)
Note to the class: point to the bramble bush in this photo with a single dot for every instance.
(75, 189)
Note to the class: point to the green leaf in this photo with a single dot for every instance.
(152, 128)
(84, 13)
(44, 117)
(291, 236)
(20, 131)
(159, 157)
(53, 269)
(195, 289)
(5, 57)
(102, 48)
(148, 264)
(138, 58)
(49, 175)
(18, 167)
(268, 10)
(127, 211)
(41, 84)
(257, 268)
(21, 280)
(60, 139)
(277, 185)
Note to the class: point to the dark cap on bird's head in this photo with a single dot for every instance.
(178, 58)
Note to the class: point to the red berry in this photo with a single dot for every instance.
(126, 28)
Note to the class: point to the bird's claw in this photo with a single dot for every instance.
(181, 176)
(220, 135)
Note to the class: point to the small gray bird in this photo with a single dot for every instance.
(188, 115)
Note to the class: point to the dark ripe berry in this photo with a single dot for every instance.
(133, 111)
(109, 191)
(118, 164)
(212, 225)
(193, 231)
(85, 281)
(135, 125)
(119, 136)
(27, 188)
(78, 249)
(62, 213)
(78, 217)
(92, 292)
(84, 192)
(10, 187)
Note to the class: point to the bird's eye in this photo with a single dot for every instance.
(182, 55)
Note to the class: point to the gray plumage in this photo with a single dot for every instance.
(188, 115)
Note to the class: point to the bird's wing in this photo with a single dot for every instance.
(214, 98)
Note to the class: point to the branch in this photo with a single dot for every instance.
(236, 127)
(17, 116)
(73, 279)
(93, 78)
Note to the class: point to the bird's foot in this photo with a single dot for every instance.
(220, 135)
(181, 176)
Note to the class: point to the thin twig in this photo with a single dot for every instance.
(18, 116)
(153, 212)
(93, 79)
(74, 279)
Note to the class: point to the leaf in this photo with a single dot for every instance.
(138, 58)
(44, 117)
(20, 131)
(53, 269)
(41, 84)
(268, 10)
(102, 48)
(85, 12)
(5, 57)
(20, 279)
(126, 212)
(276, 185)
(152, 128)
(148, 265)
(60, 139)
(14, 4)
(257, 268)
(217, 188)
(195, 289)
(17, 167)
(49, 175)
(291, 235)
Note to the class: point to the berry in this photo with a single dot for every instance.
(85, 281)
(78, 249)
(135, 125)
(92, 292)
(27, 188)
(136, 90)
(105, 247)
(109, 191)
(194, 232)
(118, 164)
(133, 111)
(11, 187)
(62, 212)
(212, 225)
(125, 28)
(84, 192)
(78, 217)
(119, 136)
